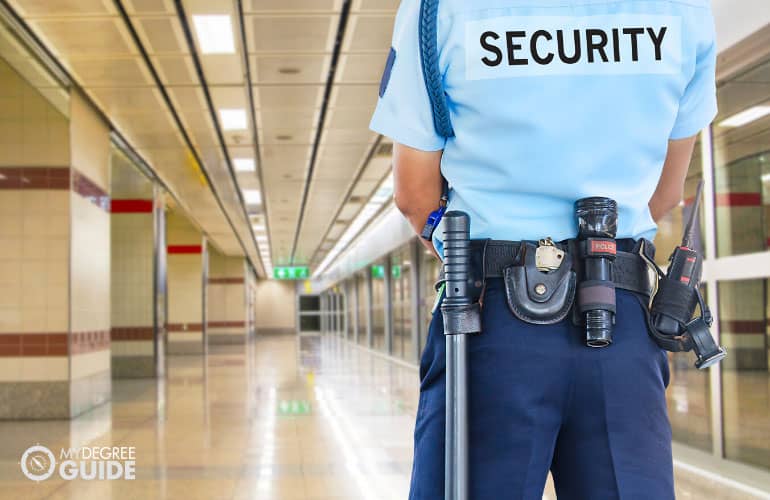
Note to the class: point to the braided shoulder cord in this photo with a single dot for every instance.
(430, 67)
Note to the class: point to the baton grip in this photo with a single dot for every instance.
(461, 316)
(457, 258)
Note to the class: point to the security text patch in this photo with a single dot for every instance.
(507, 47)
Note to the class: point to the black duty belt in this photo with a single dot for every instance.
(630, 272)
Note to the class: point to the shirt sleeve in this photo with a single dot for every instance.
(404, 112)
(698, 105)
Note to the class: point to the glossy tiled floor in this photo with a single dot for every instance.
(283, 419)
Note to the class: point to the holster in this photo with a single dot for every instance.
(538, 297)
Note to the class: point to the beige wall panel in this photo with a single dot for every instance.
(179, 231)
(132, 268)
(185, 288)
(32, 132)
(276, 305)
(83, 365)
(90, 142)
(90, 287)
(132, 348)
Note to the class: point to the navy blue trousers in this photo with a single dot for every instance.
(541, 400)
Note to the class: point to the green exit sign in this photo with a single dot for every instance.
(291, 273)
(378, 272)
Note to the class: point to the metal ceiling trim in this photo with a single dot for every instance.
(34, 44)
(341, 27)
(359, 174)
(182, 15)
(253, 113)
(177, 120)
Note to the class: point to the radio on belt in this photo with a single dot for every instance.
(674, 303)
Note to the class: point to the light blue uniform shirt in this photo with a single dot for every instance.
(540, 124)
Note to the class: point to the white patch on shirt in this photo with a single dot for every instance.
(658, 52)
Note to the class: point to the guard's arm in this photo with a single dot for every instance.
(417, 182)
(670, 188)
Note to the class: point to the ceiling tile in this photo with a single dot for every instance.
(162, 35)
(291, 33)
(128, 100)
(223, 69)
(73, 38)
(257, 6)
(349, 118)
(369, 33)
(297, 96)
(112, 72)
(386, 5)
(298, 119)
(291, 69)
(283, 136)
(361, 68)
(175, 70)
(348, 136)
(150, 6)
(354, 96)
(50, 8)
(228, 97)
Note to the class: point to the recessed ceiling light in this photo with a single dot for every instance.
(745, 117)
(244, 164)
(252, 196)
(289, 71)
(258, 227)
(215, 34)
(233, 119)
(284, 137)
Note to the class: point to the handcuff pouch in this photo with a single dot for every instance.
(541, 298)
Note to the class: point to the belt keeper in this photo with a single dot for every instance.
(461, 320)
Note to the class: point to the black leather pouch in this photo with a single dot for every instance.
(538, 297)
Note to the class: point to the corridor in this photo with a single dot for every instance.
(285, 418)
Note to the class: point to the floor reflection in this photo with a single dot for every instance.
(284, 418)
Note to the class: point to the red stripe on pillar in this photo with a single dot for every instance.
(738, 199)
(743, 326)
(185, 249)
(131, 206)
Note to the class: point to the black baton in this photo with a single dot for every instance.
(461, 317)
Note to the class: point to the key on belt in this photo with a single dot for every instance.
(548, 257)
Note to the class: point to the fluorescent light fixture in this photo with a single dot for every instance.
(766, 178)
(259, 227)
(233, 119)
(215, 34)
(383, 194)
(244, 164)
(252, 196)
(745, 117)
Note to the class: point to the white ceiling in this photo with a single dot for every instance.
(289, 47)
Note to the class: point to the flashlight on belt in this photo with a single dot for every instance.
(597, 219)
(674, 304)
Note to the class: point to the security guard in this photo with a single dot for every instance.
(543, 103)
